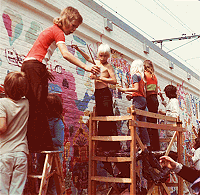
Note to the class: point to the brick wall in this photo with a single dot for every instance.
(20, 24)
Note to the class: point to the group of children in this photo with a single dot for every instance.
(25, 123)
(144, 94)
(34, 123)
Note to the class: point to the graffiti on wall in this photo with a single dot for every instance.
(13, 23)
(77, 107)
(13, 58)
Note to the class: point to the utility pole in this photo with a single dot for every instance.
(177, 39)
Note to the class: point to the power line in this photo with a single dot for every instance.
(125, 19)
(182, 45)
(183, 24)
(164, 7)
(157, 15)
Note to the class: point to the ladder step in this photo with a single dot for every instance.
(111, 118)
(35, 176)
(111, 138)
(111, 159)
(111, 179)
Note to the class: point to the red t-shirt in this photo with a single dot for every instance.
(151, 83)
(46, 43)
(138, 79)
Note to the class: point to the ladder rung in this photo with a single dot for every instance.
(111, 159)
(111, 179)
(111, 138)
(35, 176)
(111, 118)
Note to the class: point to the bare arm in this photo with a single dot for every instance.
(3, 126)
(87, 58)
(72, 59)
(167, 161)
(134, 88)
(162, 98)
(162, 112)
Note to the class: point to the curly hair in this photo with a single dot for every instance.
(67, 15)
(170, 91)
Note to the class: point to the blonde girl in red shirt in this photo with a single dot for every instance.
(36, 72)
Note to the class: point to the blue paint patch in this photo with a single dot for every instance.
(81, 57)
(79, 40)
(54, 88)
(83, 104)
(80, 71)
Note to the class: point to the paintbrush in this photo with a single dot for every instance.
(91, 55)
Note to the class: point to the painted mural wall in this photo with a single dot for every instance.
(20, 28)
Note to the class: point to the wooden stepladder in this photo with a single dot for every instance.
(52, 167)
(133, 138)
(177, 128)
(93, 158)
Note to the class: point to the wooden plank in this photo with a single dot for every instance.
(133, 154)
(93, 149)
(165, 140)
(142, 147)
(58, 175)
(157, 126)
(137, 112)
(111, 138)
(166, 189)
(111, 118)
(154, 115)
(35, 176)
(50, 152)
(151, 189)
(111, 179)
(46, 171)
(170, 144)
(180, 158)
(111, 159)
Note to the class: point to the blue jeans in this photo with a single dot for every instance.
(140, 103)
(13, 173)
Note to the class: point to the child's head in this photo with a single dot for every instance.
(15, 85)
(103, 53)
(137, 67)
(197, 143)
(148, 66)
(69, 20)
(54, 106)
(170, 91)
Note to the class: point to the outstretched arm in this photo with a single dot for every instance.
(134, 88)
(168, 162)
(72, 59)
(87, 58)
(183, 171)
